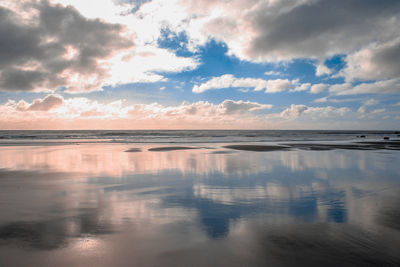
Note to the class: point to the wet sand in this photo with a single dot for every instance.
(294, 205)
(368, 145)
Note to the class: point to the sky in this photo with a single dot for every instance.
(200, 64)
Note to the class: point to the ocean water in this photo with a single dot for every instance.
(78, 198)
(187, 136)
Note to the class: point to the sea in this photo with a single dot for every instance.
(187, 136)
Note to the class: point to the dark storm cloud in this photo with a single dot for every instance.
(20, 80)
(389, 57)
(57, 44)
(322, 28)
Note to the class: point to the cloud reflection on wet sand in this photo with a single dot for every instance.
(96, 204)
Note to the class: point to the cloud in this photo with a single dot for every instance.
(83, 113)
(335, 100)
(318, 88)
(228, 80)
(362, 110)
(76, 110)
(302, 87)
(378, 87)
(273, 73)
(322, 69)
(55, 47)
(47, 46)
(371, 102)
(283, 30)
(241, 106)
(380, 110)
(296, 111)
(202, 110)
(376, 62)
(47, 103)
(321, 100)
(259, 30)
(294, 29)
(134, 4)
(146, 64)
(365, 112)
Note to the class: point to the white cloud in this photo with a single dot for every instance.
(362, 110)
(278, 85)
(55, 108)
(375, 62)
(380, 110)
(283, 30)
(49, 102)
(273, 73)
(228, 80)
(145, 64)
(322, 69)
(260, 30)
(318, 88)
(202, 110)
(240, 106)
(321, 100)
(302, 87)
(335, 100)
(83, 113)
(371, 102)
(379, 87)
(296, 111)
(55, 46)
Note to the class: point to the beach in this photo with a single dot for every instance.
(279, 203)
(153, 133)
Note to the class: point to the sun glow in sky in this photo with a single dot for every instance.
(186, 64)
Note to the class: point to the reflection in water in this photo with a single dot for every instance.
(99, 205)
(53, 233)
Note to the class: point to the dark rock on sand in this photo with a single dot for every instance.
(257, 148)
(133, 150)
